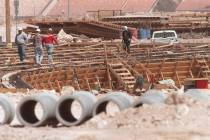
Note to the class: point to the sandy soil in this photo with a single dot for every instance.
(8, 133)
(183, 119)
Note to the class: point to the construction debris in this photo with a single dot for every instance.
(64, 37)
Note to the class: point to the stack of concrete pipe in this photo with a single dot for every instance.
(59, 110)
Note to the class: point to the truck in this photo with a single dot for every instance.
(165, 37)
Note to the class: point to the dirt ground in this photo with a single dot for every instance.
(8, 133)
(185, 119)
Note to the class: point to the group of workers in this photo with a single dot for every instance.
(48, 41)
(39, 42)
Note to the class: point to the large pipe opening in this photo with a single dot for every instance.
(138, 104)
(70, 110)
(32, 112)
(109, 107)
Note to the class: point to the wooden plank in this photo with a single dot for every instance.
(88, 84)
(177, 76)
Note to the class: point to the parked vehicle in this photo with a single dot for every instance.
(165, 36)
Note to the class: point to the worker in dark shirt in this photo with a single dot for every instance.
(126, 39)
(139, 83)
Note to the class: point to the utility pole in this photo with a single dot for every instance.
(16, 7)
(8, 21)
(68, 8)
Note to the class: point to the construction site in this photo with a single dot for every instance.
(92, 84)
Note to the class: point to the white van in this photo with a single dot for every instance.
(165, 36)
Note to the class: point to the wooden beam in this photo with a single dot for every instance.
(58, 86)
(88, 84)
(107, 67)
(191, 74)
(161, 74)
(177, 76)
(175, 68)
(98, 81)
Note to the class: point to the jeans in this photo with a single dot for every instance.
(126, 46)
(21, 52)
(50, 48)
(38, 54)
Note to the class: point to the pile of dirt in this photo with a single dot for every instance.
(179, 111)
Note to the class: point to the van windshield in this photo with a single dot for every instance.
(164, 35)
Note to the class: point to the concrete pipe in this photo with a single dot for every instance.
(198, 94)
(120, 99)
(65, 112)
(8, 110)
(29, 115)
(151, 97)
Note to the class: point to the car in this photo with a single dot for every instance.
(165, 37)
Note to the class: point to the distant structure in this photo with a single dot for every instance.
(194, 5)
(80, 8)
(166, 5)
(86, 8)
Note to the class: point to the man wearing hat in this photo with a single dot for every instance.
(126, 38)
(21, 40)
(49, 41)
(37, 42)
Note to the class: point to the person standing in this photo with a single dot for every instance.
(49, 41)
(126, 39)
(37, 42)
(139, 83)
(21, 41)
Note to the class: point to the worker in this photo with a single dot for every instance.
(126, 39)
(21, 40)
(49, 41)
(37, 42)
(139, 83)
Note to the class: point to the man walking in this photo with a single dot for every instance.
(37, 42)
(21, 41)
(126, 39)
(48, 41)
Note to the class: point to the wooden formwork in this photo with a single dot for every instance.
(178, 70)
(85, 78)
(87, 65)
